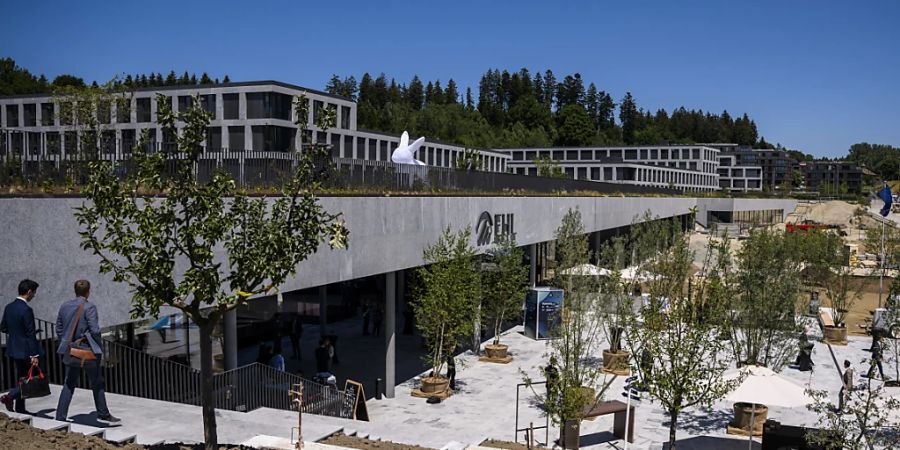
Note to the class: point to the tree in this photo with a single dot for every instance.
(683, 359)
(233, 246)
(451, 95)
(204, 79)
(577, 332)
(547, 167)
(68, 81)
(764, 290)
(628, 115)
(415, 93)
(503, 284)
(575, 127)
(171, 79)
(447, 295)
(226, 79)
(15, 80)
(842, 290)
(865, 422)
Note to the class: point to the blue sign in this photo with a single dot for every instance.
(542, 308)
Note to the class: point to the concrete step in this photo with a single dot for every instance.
(86, 430)
(49, 424)
(119, 437)
(454, 445)
(20, 417)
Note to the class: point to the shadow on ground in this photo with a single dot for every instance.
(712, 443)
(701, 422)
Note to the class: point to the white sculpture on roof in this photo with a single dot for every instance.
(406, 152)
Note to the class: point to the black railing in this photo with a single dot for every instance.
(131, 372)
(271, 169)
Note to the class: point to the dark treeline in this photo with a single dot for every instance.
(521, 109)
(15, 80)
(879, 158)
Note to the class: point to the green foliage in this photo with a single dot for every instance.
(764, 289)
(575, 127)
(504, 283)
(673, 339)
(448, 295)
(880, 158)
(15, 80)
(201, 247)
(578, 334)
(547, 167)
(868, 420)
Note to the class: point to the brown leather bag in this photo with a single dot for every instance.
(75, 349)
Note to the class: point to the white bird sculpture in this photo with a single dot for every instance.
(405, 153)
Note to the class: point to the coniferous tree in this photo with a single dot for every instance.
(470, 103)
(415, 93)
(226, 79)
(204, 79)
(549, 94)
(172, 79)
(629, 116)
(451, 95)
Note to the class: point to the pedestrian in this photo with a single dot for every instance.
(366, 314)
(323, 357)
(846, 385)
(877, 358)
(295, 332)
(551, 374)
(77, 319)
(21, 343)
(377, 318)
(264, 354)
(451, 369)
(277, 361)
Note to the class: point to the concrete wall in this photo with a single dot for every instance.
(704, 205)
(41, 241)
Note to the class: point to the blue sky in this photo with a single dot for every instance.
(815, 75)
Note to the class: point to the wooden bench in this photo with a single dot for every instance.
(617, 408)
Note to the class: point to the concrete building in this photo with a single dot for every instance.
(686, 167)
(256, 115)
(739, 170)
(833, 177)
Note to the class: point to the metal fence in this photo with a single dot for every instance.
(270, 169)
(131, 372)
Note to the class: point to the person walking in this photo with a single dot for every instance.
(295, 332)
(846, 385)
(21, 343)
(451, 369)
(78, 318)
(877, 358)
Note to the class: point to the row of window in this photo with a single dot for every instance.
(632, 174)
(259, 105)
(626, 154)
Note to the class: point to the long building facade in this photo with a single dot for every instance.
(257, 116)
(685, 167)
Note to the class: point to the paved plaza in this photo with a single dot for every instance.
(484, 406)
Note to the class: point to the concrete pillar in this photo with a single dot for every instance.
(229, 329)
(532, 269)
(390, 331)
(323, 309)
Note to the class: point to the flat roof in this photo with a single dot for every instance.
(206, 86)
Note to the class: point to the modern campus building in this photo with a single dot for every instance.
(738, 168)
(685, 167)
(833, 177)
(249, 116)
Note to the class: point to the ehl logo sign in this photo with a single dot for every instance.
(489, 229)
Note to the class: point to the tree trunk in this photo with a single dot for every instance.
(206, 387)
(673, 428)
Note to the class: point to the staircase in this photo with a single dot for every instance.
(109, 434)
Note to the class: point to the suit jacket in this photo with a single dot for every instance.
(18, 323)
(88, 325)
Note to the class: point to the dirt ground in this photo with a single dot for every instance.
(861, 312)
(341, 439)
(507, 445)
(20, 436)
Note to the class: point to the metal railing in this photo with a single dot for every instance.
(131, 372)
(271, 169)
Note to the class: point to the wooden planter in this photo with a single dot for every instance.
(835, 335)
(742, 414)
(570, 435)
(496, 351)
(434, 385)
(616, 362)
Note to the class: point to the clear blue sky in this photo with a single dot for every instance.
(815, 75)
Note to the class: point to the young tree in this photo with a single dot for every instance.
(547, 167)
(764, 289)
(203, 248)
(447, 295)
(683, 360)
(868, 420)
(842, 290)
(504, 284)
(577, 334)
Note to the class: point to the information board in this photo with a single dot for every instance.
(355, 401)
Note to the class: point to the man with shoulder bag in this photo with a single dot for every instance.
(78, 331)
(22, 346)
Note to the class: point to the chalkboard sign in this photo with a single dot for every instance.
(355, 401)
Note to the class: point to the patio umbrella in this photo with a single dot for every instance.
(586, 270)
(762, 386)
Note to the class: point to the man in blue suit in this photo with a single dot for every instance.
(87, 327)
(21, 343)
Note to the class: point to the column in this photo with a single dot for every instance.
(323, 309)
(532, 269)
(229, 329)
(390, 331)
